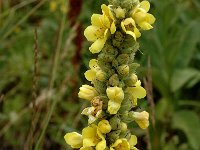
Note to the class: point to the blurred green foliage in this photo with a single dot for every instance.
(173, 47)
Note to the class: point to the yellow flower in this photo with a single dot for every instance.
(115, 95)
(90, 75)
(129, 27)
(104, 126)
(93, 137)
(141, 17)
(98, 32)
(87, 92)
(133, 141)
(136, 92)
(142, 119)
(120, 144)
(74, 139)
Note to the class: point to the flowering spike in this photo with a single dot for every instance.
(115, 87)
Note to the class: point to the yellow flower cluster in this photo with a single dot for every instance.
(115, 87)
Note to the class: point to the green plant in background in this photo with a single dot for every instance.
(115, 86)
(173, 49)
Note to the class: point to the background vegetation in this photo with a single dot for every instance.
(43, 56)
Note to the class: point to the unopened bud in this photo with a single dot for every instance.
(123, 70)
(100, 75)
(114, 80)
(120, 13)
(87, 92)
(104, 126)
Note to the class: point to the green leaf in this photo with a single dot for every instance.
(189, 123)
(181, 77)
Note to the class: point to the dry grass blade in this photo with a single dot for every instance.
(36, 109)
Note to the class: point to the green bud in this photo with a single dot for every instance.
(117, 39)
(123, 70)
(126, 118)
(133, 67)
(115, 63)
(105, 102)
(126, 105)
(129, 46)
(113, 135)
(104, 65)
(124, 127)
(131, 80)
(126, 134)
(115, 123)
(106, 57)
(100, 86)
(100, 75)
(123, 59)
(109, 49)
(114, 80)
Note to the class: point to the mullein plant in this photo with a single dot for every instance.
(115, 87)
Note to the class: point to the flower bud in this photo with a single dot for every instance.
(141, 118)
(123, 70)
(114, 80)
(130, 81)
(115, 123)
(123, 59)
(120, 13)
(87, 92)
(123, 127)
(104, 126)
(114, 135)
(126, 134)
(100, 75)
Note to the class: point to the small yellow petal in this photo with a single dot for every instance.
(74, 139)
(113, 106)
(113, 28)
(132, 34)
(101, 145)
(90, 75)
(96, 20)
(137, 32)
(132, 141)
(90, 33)
(145, 26)
(138, 91)
(93, 64)
(145, 5)
(97, 46)
(150, 18)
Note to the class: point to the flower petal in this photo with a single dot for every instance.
(145, 5)
(74, 139)
(96, 20)
(132, 141)
(97, 46)
(90, 33)
(113, 106)
(90, 75)
(101, 145)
